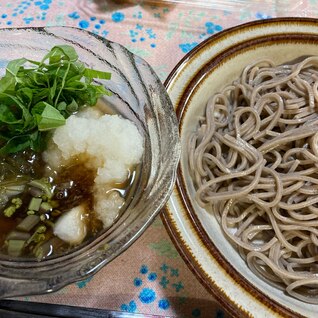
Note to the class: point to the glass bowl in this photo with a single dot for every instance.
(138, 95)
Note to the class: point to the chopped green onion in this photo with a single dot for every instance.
(41, 229)
(38, 235)
(9, 211)
(45, 207)
(28, 223)
(13, 189)
(12, 184)
(46, 249)
(35, 192)
(15, 247)
(35, 204)
(17, 202)
(44, 185)
(17, 235)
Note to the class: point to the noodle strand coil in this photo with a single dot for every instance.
(254, 163)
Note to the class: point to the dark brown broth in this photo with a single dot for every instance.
(73, 185)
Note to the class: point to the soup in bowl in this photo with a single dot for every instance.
(89, 149)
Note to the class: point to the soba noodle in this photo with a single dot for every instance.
(254, 163)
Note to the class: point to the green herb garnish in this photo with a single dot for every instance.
(10, 210)
(36, 97)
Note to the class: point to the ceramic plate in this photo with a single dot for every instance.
(196, 233)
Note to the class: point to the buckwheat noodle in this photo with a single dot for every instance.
(254, 163)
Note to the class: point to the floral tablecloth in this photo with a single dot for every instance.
(150, 277)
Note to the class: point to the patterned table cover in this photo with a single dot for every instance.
(150, 277)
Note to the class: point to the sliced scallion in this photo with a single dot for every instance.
(15, 247)
(28, 223)
(15, 204)
(47, 248)
(35, 204)
(17, 235)
(38, 235)
(44, 185)
(45, 207)
(36, 192)
(9, 211)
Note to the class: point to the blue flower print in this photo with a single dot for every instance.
(131, 307)
(143, 269)
(74, 15)
(83, 24)
(262, 16)
(84, 282)
(137, 282)
(212, 28)
(187, 47)
(164, 304)
(164, 282)
(152, 277)
(118, 16)
(145, 284)
(174, 272)
(178, 286)
(164, 268)
(147, 296)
